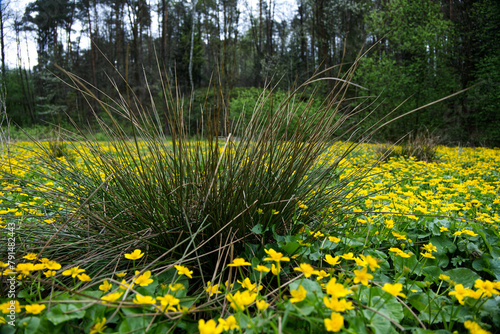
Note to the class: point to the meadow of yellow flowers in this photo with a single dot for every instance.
(417, 249)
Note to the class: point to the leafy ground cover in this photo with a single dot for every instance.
(417, 249)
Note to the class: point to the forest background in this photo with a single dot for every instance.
(427, 49)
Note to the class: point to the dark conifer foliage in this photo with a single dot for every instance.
(422, 50)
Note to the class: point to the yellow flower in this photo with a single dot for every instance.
(429, 248)
(474, 328)
(112, 296)
(302, 205)
(124, 285)
(394, 289)
(261, 304)
(371, 261)
(469, 232)
(487, 288)
(35, 308)
(332, 260)
(336, 289)
(50, 273)
(260, 211)
(212, 289)
(168, 302)
(146, 300)
(398, 236)
(274, 212)
(334, 323)
(337, 305)
(316, 234)
(135, 255)
(334, 239)
(98, 327)
(427, 255)
(322, 274)
(262, 268)
(144, 279)
(307, 269)
(10, 305)
(298, 295)
(120, 275)
(362, 276)
(240, 300)
(275, 270)
(25, 268)
(209, 327)
(443, 229)
(73, 272)
(176, 287)
(184, 271)
(229, 323)
(30, 256)
(239, 262)
(444, 277)
(389, 224)
(460, 293)
(84, 278)
(348, 256)
(247, 284)
(105, 286)
(275, 256)
(52, 265)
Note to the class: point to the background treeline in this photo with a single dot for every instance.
(428, 49)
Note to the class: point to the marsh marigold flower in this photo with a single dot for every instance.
(474, 328)
(427, 255)
(275, 256)
(239, 262)
(84, 278)
(181, 270)
(30, 256)
(362, 276)
(144, 279)
(394, 289)
(261, 304)
(337, 305)
(334, 323)
(168, 302)
(146, 300)
(6, 307)
(247, 284)
(429, 248)
(73, 272)
(34, 308)
(135, 255)
(229, 324)
(105, 286)
(487, 288)
(212, 289)
(336, 289)
(262, 268)
(240, 300)
(98, 327)
(209, 327)
(460, 293)
(112, 297)
(298, 295)
(331, 260)
(306, 269)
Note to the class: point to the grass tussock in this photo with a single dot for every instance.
(183, 196)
